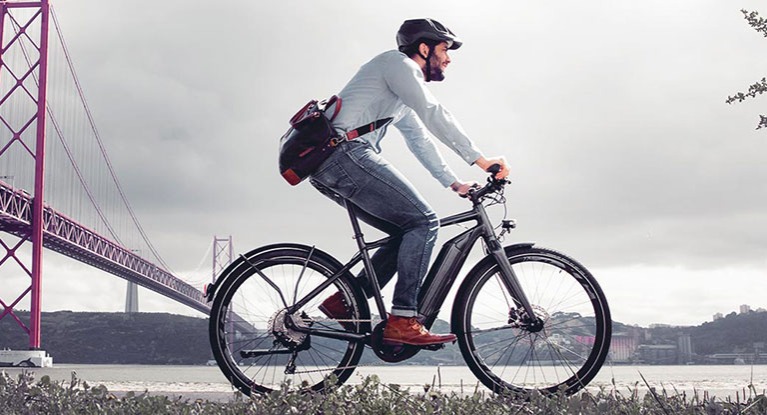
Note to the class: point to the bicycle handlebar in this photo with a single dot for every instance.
(494, 169)
(493, 185)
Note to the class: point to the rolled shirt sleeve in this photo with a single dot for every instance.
(405, 79)
(424, 149)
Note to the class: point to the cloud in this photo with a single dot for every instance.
(612, 116)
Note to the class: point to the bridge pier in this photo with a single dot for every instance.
(25, 358)
(131, 298)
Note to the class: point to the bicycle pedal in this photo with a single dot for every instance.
(434, 347)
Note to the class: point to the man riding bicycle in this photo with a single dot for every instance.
(391, 89)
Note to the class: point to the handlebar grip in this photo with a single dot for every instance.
(494, 168)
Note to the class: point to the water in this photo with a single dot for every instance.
(207, 382)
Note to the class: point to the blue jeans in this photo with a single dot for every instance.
(387, 201)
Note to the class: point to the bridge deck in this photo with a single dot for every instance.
(74, 240)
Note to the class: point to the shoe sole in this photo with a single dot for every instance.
(388, 342)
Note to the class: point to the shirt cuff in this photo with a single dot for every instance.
(471, 156)
(447, 178)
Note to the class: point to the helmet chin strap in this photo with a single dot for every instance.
(427, 58)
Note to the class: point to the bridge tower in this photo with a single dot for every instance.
(222, 257)
(222, 254)
(23, 87)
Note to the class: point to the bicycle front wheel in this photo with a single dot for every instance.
(565, 347)
(254, 339)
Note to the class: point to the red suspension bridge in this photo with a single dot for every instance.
(58, 189)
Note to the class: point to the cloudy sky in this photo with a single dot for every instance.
(611, 114)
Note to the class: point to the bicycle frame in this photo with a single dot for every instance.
(441, 275)
(558, 347)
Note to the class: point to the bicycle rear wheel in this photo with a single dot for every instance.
(508, 355)
(250, 330)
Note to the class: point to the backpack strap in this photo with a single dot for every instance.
(334, 100)
(368, 128)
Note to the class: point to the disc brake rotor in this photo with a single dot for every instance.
(538, 324)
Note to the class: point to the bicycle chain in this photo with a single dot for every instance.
(367, 346)
(371, 321)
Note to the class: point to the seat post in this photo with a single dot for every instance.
(358, 236)
(367, 263)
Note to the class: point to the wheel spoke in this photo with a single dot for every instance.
(252, 298)
(565, 344)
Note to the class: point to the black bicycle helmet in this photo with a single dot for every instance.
(415, 30)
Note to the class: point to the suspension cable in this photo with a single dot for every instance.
(65, 145)
(100, 142)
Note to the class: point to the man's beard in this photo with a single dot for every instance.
(436, 73)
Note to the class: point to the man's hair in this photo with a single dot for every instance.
(412, 49)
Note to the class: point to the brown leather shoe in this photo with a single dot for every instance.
(409, 330)
(335, 308)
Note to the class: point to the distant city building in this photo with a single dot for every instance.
(760, 310)
(623, 347)
(718, 316)
(659, 326)
(657, 354)
(745, 308)
(684, 344)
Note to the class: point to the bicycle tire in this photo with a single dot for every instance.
(246, 314)
(562, 357)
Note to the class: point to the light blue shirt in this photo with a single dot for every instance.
(392, 85)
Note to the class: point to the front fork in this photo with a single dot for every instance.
(508, 276)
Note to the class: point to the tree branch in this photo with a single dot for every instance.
(756, 89)
(759, 24)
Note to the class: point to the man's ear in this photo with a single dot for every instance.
(423, 50)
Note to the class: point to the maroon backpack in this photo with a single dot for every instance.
(311, 139)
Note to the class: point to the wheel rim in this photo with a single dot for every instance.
(255, 346)
(564, 354)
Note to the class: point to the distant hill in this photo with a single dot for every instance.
(161, 338)
(147, 338)
(115, 338)
(732, 334)
(735, 333)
